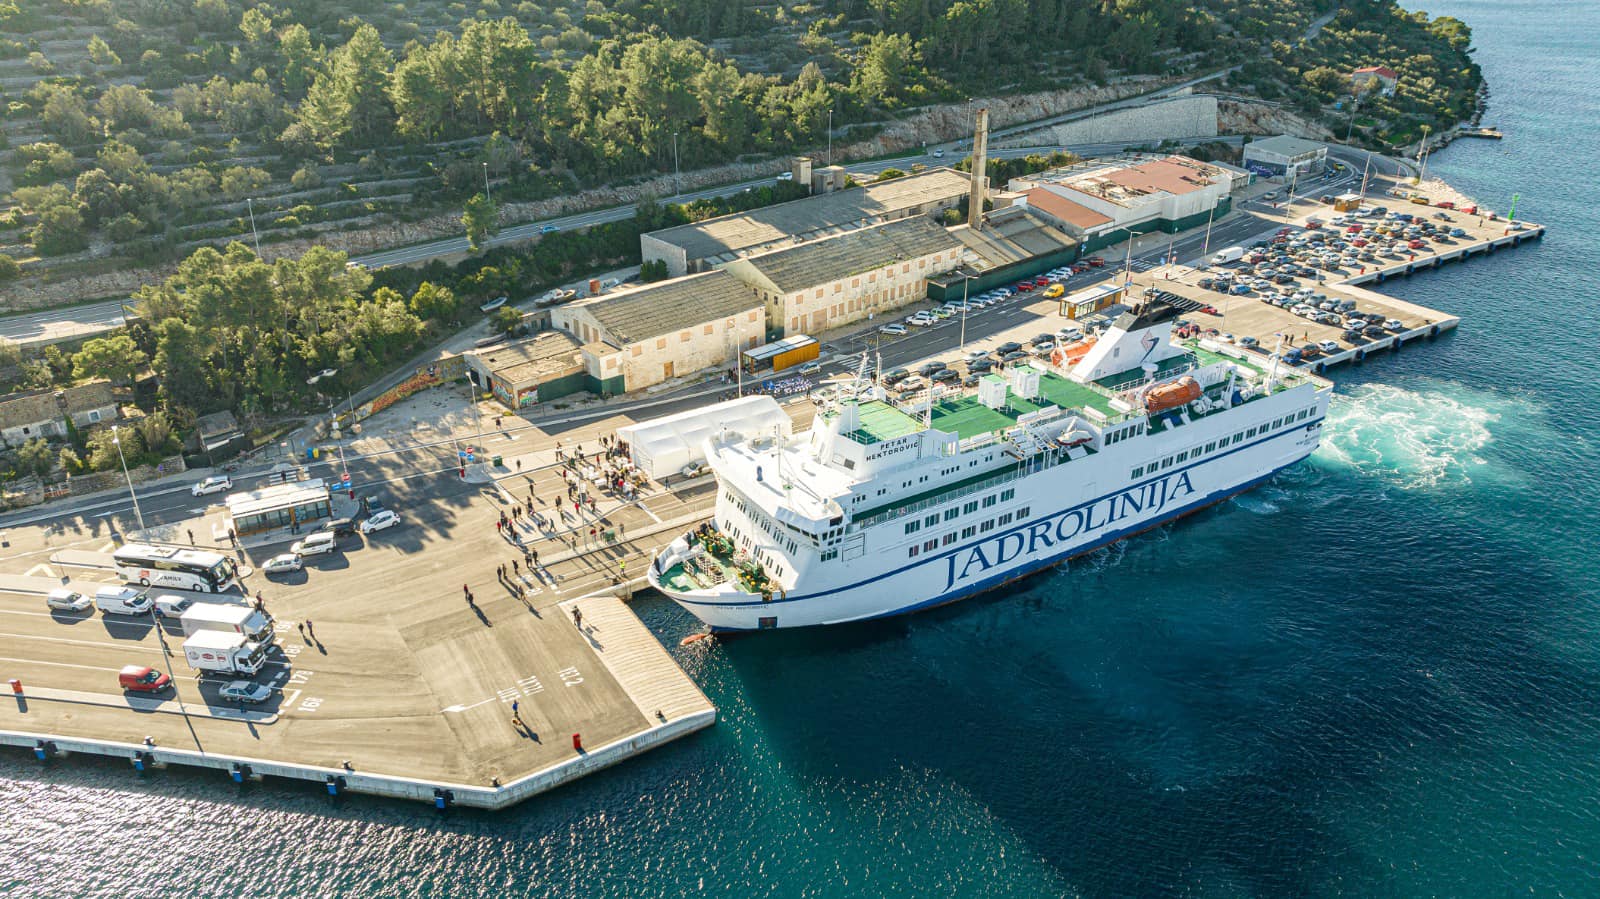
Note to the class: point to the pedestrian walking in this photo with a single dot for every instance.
(467, 592)
(622, 568)
(514, 572)
(191, 537)
(519, 465)
(577, 616)
(527, 559)
(311, 629)
(500, 572)
(302, 627)
(498, 526)
(515, 706)
(535, 557)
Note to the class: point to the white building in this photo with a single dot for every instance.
(826, 283)
(1100, 204)
(641, 337)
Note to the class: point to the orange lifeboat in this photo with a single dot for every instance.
(1171, 395)
(1067, 356)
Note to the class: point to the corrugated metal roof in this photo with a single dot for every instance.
(840, 256)
(1052, 203)
(548, 353)
(278, 496)
(1011, 235)
(670, 306)
(1284, 145)
(742, 233)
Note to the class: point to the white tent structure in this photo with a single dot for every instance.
(663, 446)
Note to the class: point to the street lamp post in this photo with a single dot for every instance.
(486, 183)
(966, 286)
(138, 515)
(677, 172)
(255, 238)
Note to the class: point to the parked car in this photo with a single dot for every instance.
(944, 375)
(1395, 324)
(245, 691)
(143, 679)
(895, 375)
(214, 484)
(928, 368)
(972, 379)
(339, 527)
(1010, 346)
(64, 600)
(169, 606)
(316, 544)
(979, 366)
(1328, 346)
(283, 563)
(896, 328)
(380, 521)
(1095, 261)
(1247, 341)
(1014, 356)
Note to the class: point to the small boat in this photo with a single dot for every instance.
(493, 304)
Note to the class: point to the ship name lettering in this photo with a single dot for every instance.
(1149, 498)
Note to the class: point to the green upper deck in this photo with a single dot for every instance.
(966, 417)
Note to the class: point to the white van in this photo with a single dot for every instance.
(122, 601)
(316, 544)
(1227, 255)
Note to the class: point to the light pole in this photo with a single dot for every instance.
(250, 204)
(677, 173)
(486, 183)
(966, 285)
(830, 135)
(166, 655)
(1205, 246)
(116, 439)
(1422, 156)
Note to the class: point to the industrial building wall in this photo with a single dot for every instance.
(876, 292)
(674, 256)
(706, 345)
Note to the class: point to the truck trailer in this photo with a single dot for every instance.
(222, 652)
(254, 625)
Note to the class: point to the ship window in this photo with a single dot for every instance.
(930, 546)
(1238, 438)
(1211, 446)
(1137, 471)
(1005, 519)
(968, 531)
(1007, 495)
(914, 550)
(913, 526)
(969, 508)
(830, 555)
(1183, 455)
(989, 501)
(987, 526)
(1251, 432)
(948, 539)
(1022, 513)
(931, 520)
(951, 514)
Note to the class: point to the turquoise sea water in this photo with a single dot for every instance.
(1379, 675)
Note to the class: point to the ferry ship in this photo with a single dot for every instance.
(891, 506)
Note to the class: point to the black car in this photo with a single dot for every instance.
(1282, 278)
(1042, 338)
(1007, 348)
(945, 374)
(341, 527)
(1351, 335)
(928, 368)
(1013, 356)
(1326, 198)
(1207, 283)
(971, 380)
(979, 366)
(1375, 331)
(895, 375)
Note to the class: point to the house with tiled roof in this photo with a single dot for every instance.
(1384, 77)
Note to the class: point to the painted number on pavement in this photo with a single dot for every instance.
(309, 704)
(571, 677)
(300, 677)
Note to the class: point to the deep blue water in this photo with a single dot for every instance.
(1376, 676)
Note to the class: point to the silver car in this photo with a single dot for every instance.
(283, 564)
(245, 691)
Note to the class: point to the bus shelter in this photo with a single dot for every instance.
(289, 505)
(780, 354)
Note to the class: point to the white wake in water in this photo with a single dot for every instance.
(1412, 439)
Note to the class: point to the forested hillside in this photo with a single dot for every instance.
(141, 129)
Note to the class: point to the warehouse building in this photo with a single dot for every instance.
(1285, 157)
(638, 338)
(1015, 242)
(542, 368)
(702, 246)
(843, 278)
(1102, 205)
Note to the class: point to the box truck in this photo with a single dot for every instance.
(252, 624)
(221, 652)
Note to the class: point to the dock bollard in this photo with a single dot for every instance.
(577, 742)
(16, 686)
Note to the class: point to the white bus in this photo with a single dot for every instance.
(169, 566)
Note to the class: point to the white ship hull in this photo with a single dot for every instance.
(1072, 509)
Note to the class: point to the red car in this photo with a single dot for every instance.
(1358, 242)
(1313, 224)
(1041, 281)
(1095, 261)
(142, 679)
(1416, 245)
(1024, 286)
(1446, 204)
(1079, 268)
(1469, 210)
